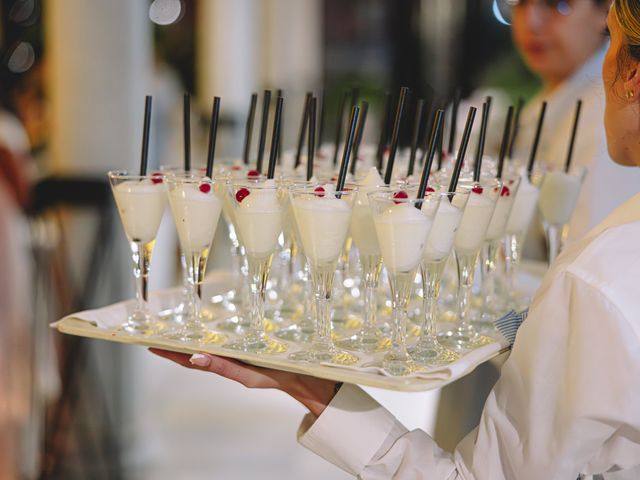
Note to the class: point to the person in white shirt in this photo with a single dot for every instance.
(568, 399)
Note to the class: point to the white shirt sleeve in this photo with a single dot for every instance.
(569, 386)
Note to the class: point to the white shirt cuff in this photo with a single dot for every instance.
(350, 431)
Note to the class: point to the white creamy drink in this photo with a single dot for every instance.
(323, 224)
(524, 206)
(258, 217)
(141, 206)
(501, 213)
(475, 221)
(402, 233)
(196, 210)
(363, 230)
(559, 196)
(443, 232)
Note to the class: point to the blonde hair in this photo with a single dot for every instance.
(628, 15)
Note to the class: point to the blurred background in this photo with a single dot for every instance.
(73, 77)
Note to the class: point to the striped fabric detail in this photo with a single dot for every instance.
(509, 324)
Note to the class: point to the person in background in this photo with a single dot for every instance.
(566, 404)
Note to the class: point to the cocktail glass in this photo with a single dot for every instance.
(322, 216)
(257, 216)
(141, 202)
(558, 199)
(402, 227)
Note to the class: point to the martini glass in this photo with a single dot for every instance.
(322, 216)
(141, 202)
(428, 351)
(468, 242)
(522, 212)
(558, 199)
(258, 215)
(493, 306)
(402, 226)
(369, 338)
(196, 207)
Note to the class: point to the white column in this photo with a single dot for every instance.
(99, 64)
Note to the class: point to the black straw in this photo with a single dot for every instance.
(338, 138)
(426, 170)
(395, 135)
(359, 134)
(248, 132)
(536, 140)
(516, 127)
(280, 94)
(213, 133)
(384, 130)
(266, 101)
(311, 142)
(275, 139)
(576, 119)
(303, 128)
(145, 135)
(353, 121)
(505, 142)
(483, 134)
(417, 125)
(186, 128)
(462, 151)
(321, 118)
(454, 121)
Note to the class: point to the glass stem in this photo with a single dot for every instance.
(322, 278)
(258, 276)
(141, 256)
(466, 264)
(196, 264)
(401, 285)
(431, 278)
(489, 280)
(554, 241)
(371, 267)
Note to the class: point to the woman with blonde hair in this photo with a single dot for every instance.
(567, 403)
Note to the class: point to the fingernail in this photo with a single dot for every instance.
(200, 360)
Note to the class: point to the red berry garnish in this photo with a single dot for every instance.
(241, 194)
(253, 173)
(333, 179)
(204, 187)
(477, 189)
(236, 168)
(319, 191)
(386, 151)
(399, 195)
(156, 177)
(505, 192)
(429, 190)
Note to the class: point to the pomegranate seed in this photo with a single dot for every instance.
(242, 194)
(253, 173)
(399, 195)
(429, 190)
(156, 177)
(205, 187)
(319, 191)
(505, 192)
(477, 189)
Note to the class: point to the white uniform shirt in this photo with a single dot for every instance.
(567, 401)
(606, 185)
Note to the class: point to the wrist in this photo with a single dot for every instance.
(314, 393)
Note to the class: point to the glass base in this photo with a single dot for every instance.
(461, 341)
(296, 333)
(140, 322)
(195, 333)
(367, 340)
(261, 344)
(431, 354)
(338, 357)
(398, 364)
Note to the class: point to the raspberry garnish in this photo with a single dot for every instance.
(399, 195)
(505, 192)
(477, 189)
(429, 190)
(156, 177)
(319, 191)
(253, 173)
(204, 187)
(241, 194)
